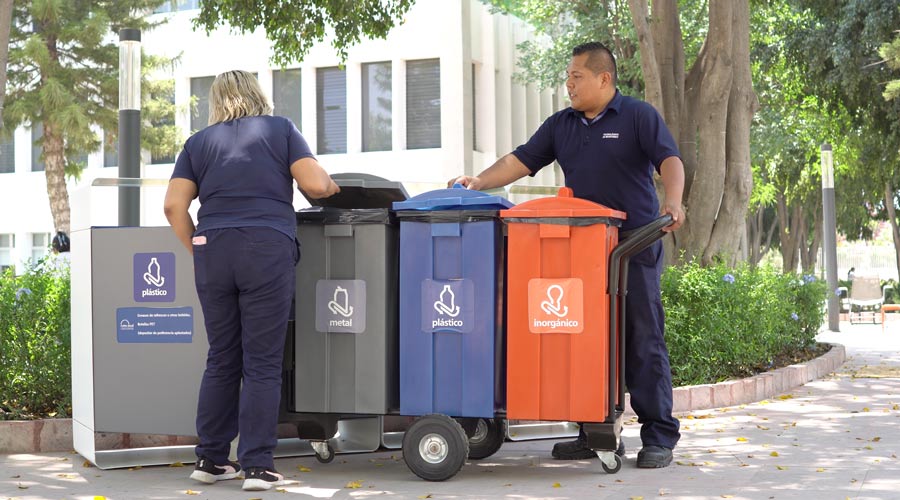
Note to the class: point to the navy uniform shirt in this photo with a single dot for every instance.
(609, 160)
(242, 169)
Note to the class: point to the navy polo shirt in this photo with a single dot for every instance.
(242, 169)
(609, 160)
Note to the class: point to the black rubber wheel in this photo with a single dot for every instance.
(435, 447)
(328, 457)
(487, 438)
(612, 470)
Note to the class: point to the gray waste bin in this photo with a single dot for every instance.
(346, 325)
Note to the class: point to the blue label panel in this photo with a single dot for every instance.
(143, 325)
(448, 305)
(154, 277)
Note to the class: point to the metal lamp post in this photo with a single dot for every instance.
(829, 229)
(129, 124)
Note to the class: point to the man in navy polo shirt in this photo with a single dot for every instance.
(608, 146)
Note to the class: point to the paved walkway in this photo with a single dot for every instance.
(835, 438)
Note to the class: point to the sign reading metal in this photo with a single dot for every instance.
(341, 306)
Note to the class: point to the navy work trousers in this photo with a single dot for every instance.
(648, 375)
(245, 281)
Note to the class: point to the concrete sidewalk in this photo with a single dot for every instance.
(835, 438)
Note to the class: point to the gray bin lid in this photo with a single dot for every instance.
(362, 191)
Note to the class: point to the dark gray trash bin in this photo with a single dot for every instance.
(346, 325)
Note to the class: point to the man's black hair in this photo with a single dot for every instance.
(600, 58)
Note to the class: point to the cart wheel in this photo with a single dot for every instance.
(488, 438)
(326, 456)
(435, 447)
(615, 467)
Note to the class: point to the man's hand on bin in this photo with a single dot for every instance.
(467, 181)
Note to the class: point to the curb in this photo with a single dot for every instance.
(36, 436)
(752, 389)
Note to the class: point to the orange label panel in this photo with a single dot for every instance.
(556, 305)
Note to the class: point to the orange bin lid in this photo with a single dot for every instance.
(564, 204)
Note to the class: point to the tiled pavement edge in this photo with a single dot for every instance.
(56, 434)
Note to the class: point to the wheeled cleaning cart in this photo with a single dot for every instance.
(451, 328)
(565, 297)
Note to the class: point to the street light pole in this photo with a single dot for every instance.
(129, 124)
(829, 230)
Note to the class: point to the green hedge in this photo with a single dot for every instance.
(720, 323)
(35, 362)
(726, 323)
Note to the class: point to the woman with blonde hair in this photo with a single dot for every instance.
(245, 249)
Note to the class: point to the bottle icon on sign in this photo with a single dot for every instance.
(341, 303)
(442, 307)
(153, 276)
(554, 306)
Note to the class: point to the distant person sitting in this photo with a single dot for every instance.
(851, 273)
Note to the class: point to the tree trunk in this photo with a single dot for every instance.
(788, 222)
(652, 85)
(53, 145)
(729, 224)
(892, 216)
(810, 246)
(55, 171)
(6, 9)
(716, 75)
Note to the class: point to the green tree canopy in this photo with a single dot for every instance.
(294, 26)
(63, 75)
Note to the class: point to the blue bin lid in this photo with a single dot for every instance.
(455, 198)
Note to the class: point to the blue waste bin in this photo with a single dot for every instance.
(451, 303)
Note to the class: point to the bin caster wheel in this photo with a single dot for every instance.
(324, 452)
(610, 461)
(488, 438)
(435, 447)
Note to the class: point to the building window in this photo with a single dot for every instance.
(200, 96)
(7, 155)
(37, 132)
(423, 104)
(110, 154)
(286, 95)
(376, 106)
(177, 6)
(40, 244)
(7, 243)
(331, 110)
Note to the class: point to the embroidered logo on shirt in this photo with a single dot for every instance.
(610, 135)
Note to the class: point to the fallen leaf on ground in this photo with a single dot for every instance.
(557, 485)
(191, 492)
(876, 439)
(176, 464)
(22, 486)
(742, 440)
(68, 476)
(353, 485)
(820, 469)
(780, 467)
(773, 454)
(87, 464)
(762, 428)
(425, 496)
(303, 469)
(784, 397)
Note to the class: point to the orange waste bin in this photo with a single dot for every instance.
(558, 308)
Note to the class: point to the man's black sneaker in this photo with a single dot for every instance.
(654, 457)
(260, 478)
(207, 472)
(577, 449)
